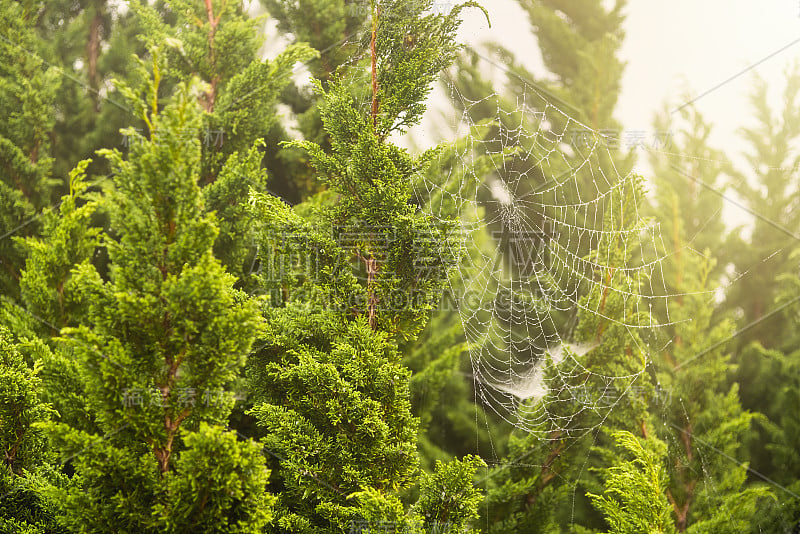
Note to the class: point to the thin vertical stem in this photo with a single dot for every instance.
(376, 10)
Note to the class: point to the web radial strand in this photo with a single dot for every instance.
(534, 191)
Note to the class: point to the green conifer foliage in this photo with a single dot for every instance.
(161, 342)
(341, 272)
(783, 431)
(763, 256)
(24, 471)
(22, 442)
(448, 500)
(27, 93)
(442, 386)
(48, 303)
(579, 41)
(336, 28)
(216, 42)
(331, 25)
(219, 44)
(342, 31)
(706, 426)
(633, 501)
(769, 190)
(67, 239)
(88, 42)
(687, 181)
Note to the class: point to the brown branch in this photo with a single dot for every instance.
(374, 53)
(11, 454)
(93, 53)
(171, 426)
(372, 304)
(682, 510)
(203, 502)
(34, 157)
(163, 453)
(19, 182)
(609, 279)
(14, 273)
(671, 499)
(210, 13)
(209, 97)
(676, 245)
(547, 475)
(686, 436)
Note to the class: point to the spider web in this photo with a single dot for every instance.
(536, 191)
